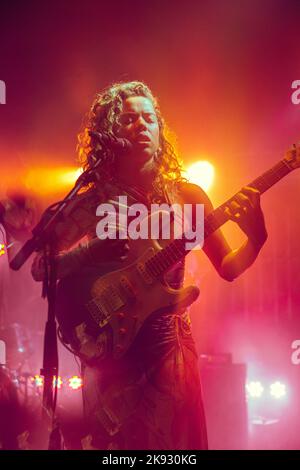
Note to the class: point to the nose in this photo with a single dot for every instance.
(141, 124)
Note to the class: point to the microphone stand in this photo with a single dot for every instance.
(42, 240)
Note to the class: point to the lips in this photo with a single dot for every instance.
(142, 138)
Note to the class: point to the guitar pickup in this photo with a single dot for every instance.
(112, 298)
(99, 314)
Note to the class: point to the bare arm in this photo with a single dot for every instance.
(95, 251)
(232, 263)
(65, 263)
(79, 220)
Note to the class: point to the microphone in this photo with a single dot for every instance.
(108, 140)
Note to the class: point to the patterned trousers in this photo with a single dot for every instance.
(150, 398)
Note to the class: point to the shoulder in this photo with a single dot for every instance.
(76, 220)
(86, 200)
(191, 193)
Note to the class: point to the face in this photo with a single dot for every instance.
(138, 123)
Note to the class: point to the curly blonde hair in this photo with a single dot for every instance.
(102, 117)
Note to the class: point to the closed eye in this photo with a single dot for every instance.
(127, 118)
(150, 117)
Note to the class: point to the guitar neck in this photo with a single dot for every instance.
(175, 251)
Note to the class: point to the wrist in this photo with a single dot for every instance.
(258, 240)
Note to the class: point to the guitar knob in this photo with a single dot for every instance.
(121, 315)
(122, 331)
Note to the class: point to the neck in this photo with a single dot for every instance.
(138, 176)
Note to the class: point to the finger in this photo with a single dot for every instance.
(123, 256)
(245, 201)
(118, 244)
(250, 190)
(235, 207)
(123, 248)
(252, 193)
(233, 214)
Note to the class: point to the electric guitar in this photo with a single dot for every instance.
(97, 302)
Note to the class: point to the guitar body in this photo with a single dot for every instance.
(115, 298)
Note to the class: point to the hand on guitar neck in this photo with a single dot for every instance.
(246, 211)
(244, 208)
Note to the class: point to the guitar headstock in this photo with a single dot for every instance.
(292, 157)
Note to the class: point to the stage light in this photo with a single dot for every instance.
(2, 249)
(254, 389)
(38, 380)
(59, 382)
(277, 390)
(51, 180)
(68, 178)
(75, 382)
(201, 173)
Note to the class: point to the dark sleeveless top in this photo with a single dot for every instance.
(80, 220)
